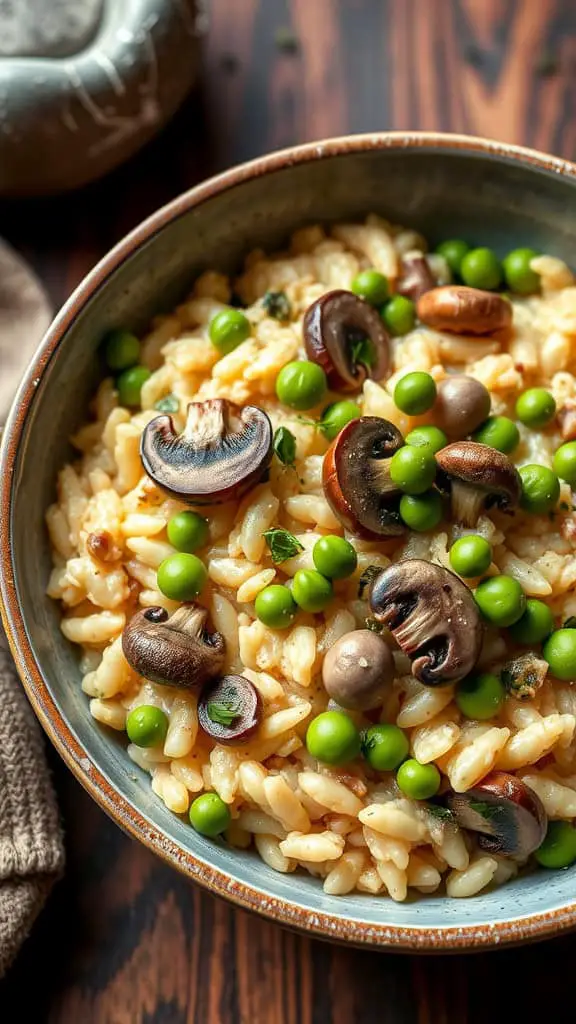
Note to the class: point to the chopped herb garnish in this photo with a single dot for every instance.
(486, 810)
(282, 544)
(366, 742)
(223, 712)
(570, 622)
(373, 626)
(370, 573)
(285, 445)
(362, 352)
(277, 305)
(286, 40)
(439, 811)
(167, 404)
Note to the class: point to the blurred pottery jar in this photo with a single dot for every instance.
(85, 83)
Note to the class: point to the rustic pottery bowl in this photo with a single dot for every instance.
(446, 186)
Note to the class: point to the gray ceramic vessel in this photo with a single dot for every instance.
(445, 186)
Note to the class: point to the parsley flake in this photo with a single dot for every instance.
(285, 446)
(282, 544)
(167, 404)
(222, 712)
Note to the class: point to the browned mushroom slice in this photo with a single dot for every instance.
(478, 477)
(507, 815)
(416, 278)
(462, 404)
(358, 670)
(432, 616)
(221, 452)
(229, 709)
(347, 338)
(463, 310)
(523, 676)
(357, 480)
(174, 650)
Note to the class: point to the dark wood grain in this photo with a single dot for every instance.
(125, 940)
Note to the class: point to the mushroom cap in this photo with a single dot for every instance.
(508, 815)
(416, 277)
(358, 670)
(173, 650)
(331, 323)
(463, 310)
(432, 616)
(356, 480)
(462, 404)
(484, 469)
(236, 696)
(221, 452)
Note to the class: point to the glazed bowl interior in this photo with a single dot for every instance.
(443, 187)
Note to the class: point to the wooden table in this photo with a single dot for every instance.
(125, 940)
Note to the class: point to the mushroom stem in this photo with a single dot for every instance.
(206, 423)
(467, 503)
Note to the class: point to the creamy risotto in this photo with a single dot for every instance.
(317, 551)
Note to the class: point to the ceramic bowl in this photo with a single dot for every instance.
(445, 186)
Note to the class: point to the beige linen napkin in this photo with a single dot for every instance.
(31, 849)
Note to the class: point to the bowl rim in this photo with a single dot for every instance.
(412, 938)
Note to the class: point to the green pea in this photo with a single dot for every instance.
(122, 350)
(415, 393)
(519, 277)
(536, 408)
(311, 591)
(418, 781)
(535, 625)
(129, 385)
(480, 268)
(228, 329)
(421, 512)
(371, 286)
(565, 463)
(209, 815)
(427, 437)
(334, 557)
(399, 315)
(470, 556)
(540, 489)
(558, 849)
(501, 600)
(333, 738)
(498, 432)
(559, 651)
(385, 747)
(301, 385)
(453, 251)
(336, 416)
(188, 531)
(181, 577)
(275, 607)
(147, 726)
(413, 469)
(480, 696)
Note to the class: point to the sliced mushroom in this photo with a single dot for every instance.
(462, 404)
(346, 336)
(229, 709)
(567, 420)
(221, 452)
(478, 477)
(358, 670)
(416, 278)
(357, 480)
(174, 650)
(432, 616)
(508, 816)
(464, 310)
(523, 676)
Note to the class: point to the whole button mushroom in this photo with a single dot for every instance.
(416, 278)
(463, 310)
(229, 709)
(356, 478)
(221, 452)
(462, 404)
(358, 670)
(478, 477)
(507, 815)
(432, 616)
(174, 650)
(346, 337)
